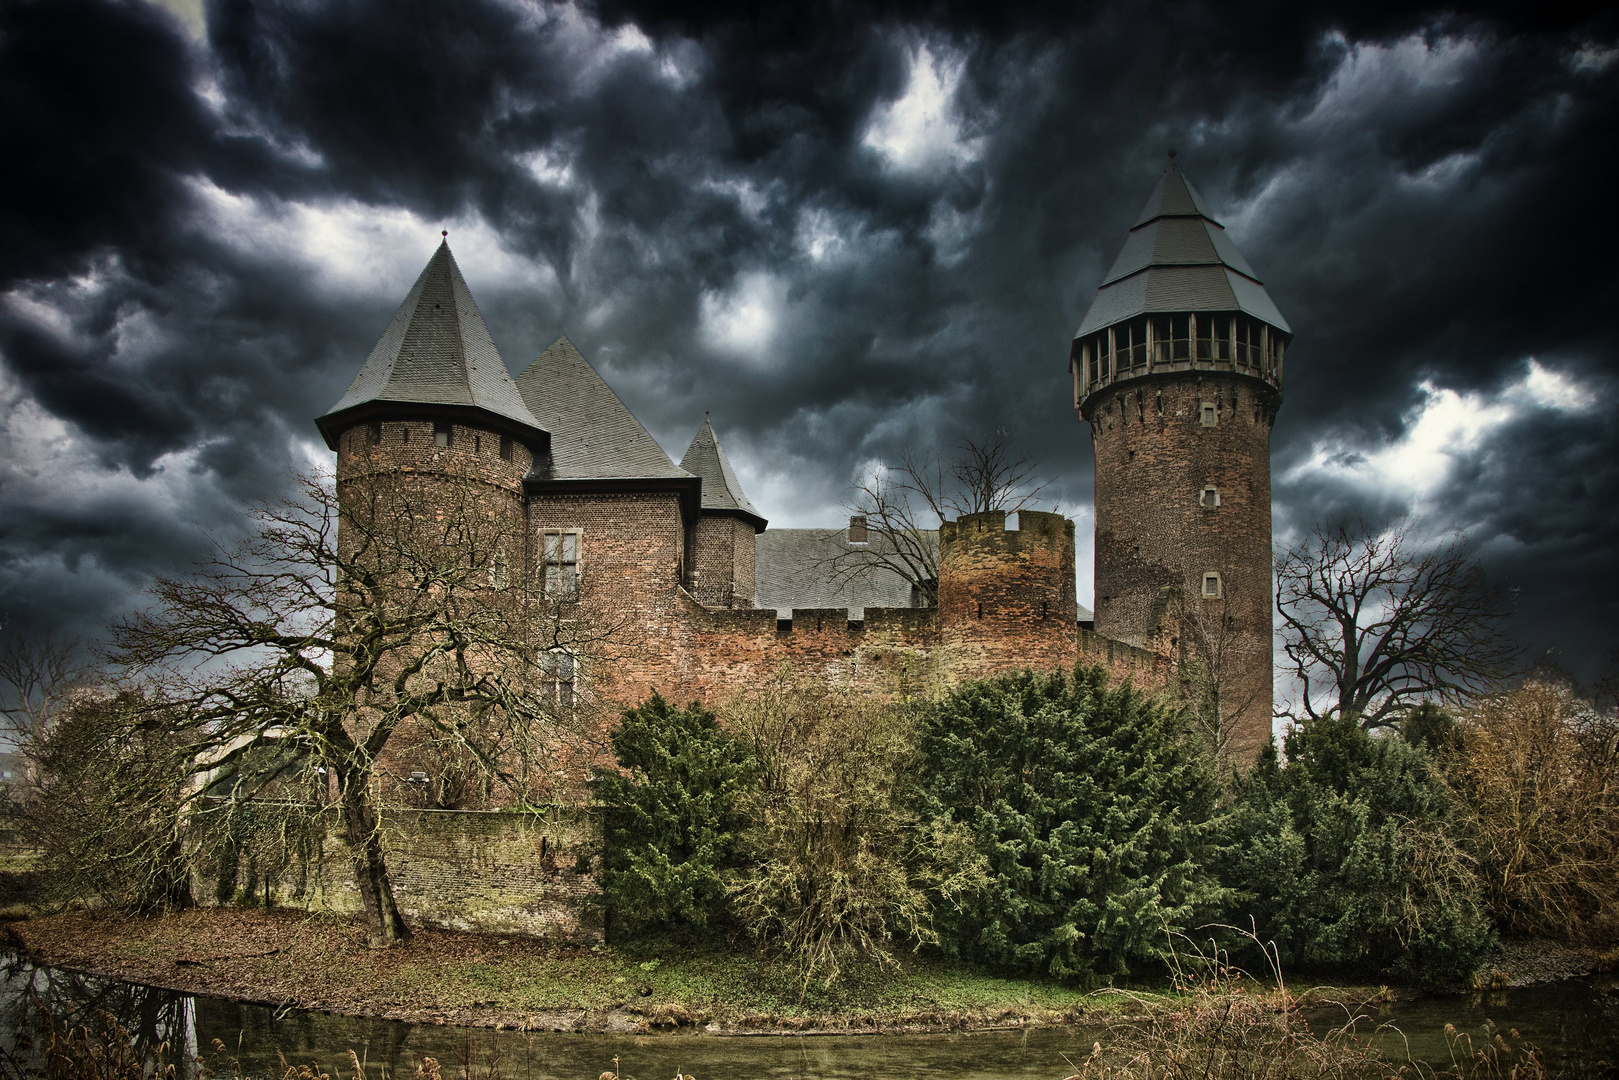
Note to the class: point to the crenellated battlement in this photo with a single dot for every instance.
(1006, 596)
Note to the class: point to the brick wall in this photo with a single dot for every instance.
(1006, 596)
(1155, 539)
(723, 559)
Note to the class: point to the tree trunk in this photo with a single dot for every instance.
(383, 923)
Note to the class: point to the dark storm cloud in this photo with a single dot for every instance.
(729, 214)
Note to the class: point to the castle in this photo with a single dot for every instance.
(1176, 368)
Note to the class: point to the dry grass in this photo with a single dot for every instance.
(1223, 1024)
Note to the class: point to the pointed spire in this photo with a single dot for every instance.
(1178, 258)
(436, 351)
(722, 492)
(593, 435)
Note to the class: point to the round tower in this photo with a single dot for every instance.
(434, 425)
(1177, 368)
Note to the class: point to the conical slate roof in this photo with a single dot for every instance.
(593, 435)
(436, 351)
(722, 492)
(1178, 258)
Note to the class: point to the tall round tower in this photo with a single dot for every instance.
(1177, 367)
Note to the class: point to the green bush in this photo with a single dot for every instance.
(837, 865)
(1346, 858)
(1093, 809)
(670, 821)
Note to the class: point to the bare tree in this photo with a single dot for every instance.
(408, 621)
(1218, 699)
(37, 672)
(904, 505)
(1375, 622)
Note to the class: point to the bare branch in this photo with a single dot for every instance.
(1374, 623)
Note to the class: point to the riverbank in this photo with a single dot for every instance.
(289, 958)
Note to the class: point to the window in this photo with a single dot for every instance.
(560, 572)
(505, 448)
(1210, 416)
(561, 672)
(1211, 585)
(1210, 497)
(500, 576)
(441, 433)
(375, 432)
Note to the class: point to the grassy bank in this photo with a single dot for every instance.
(316, 962)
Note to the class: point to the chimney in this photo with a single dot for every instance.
(857, 529)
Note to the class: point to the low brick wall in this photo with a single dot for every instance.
(530, 873)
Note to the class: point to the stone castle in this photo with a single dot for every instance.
(1176, 369)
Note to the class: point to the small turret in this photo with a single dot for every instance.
(725, 553)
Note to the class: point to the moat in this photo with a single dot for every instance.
(1575, 1023)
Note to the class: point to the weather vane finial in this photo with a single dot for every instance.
(1171, 153)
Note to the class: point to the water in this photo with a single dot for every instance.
(1575, 1022)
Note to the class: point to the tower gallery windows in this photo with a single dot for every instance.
(1150, 341)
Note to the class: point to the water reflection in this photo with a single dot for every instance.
(1576, 1022)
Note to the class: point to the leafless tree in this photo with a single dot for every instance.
(37, 673)
(406, 621)
(904, 504)
(1375, 622)
(1217, 698)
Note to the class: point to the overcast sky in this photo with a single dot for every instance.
(841, 234)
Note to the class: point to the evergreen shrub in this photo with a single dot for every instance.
(671, 819)
(1347, 858)
(1093, 808)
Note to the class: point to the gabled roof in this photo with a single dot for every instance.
(722, 492)
(593, 435)
(819, 568)
(436, 351)
(1178, 258)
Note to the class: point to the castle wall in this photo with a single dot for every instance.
(892, 650)
(723, 560)
(1155, 538)
(1006, 597)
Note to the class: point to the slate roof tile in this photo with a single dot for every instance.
(437, 351)
(721, 489)
(1176, 258)
(593, 435)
